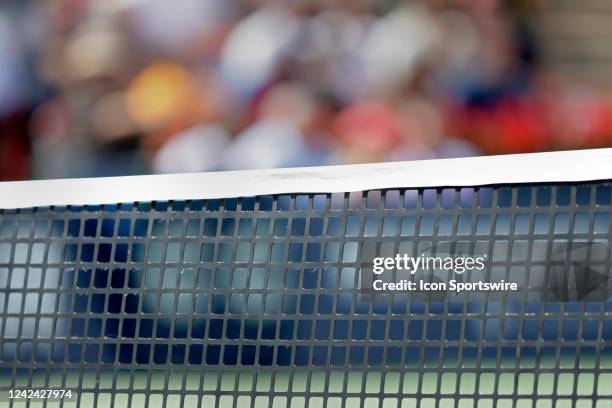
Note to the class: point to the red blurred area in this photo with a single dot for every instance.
(14, 147)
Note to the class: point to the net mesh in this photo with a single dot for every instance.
(264, 301)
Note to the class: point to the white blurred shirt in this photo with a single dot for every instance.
(195, 150)
(251, 53)
(268, 144)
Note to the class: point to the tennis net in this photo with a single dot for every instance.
(183, 291)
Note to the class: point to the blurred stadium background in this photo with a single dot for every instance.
(118, 87)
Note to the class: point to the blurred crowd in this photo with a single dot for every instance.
(118, 87)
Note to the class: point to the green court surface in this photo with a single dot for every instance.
(310, 389)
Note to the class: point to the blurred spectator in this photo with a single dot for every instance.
(367, 131)
(396, 44)
(280, 135)
(179, 26)
(14, 144)
(110, 87)
(196, 149)
(255, 48)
